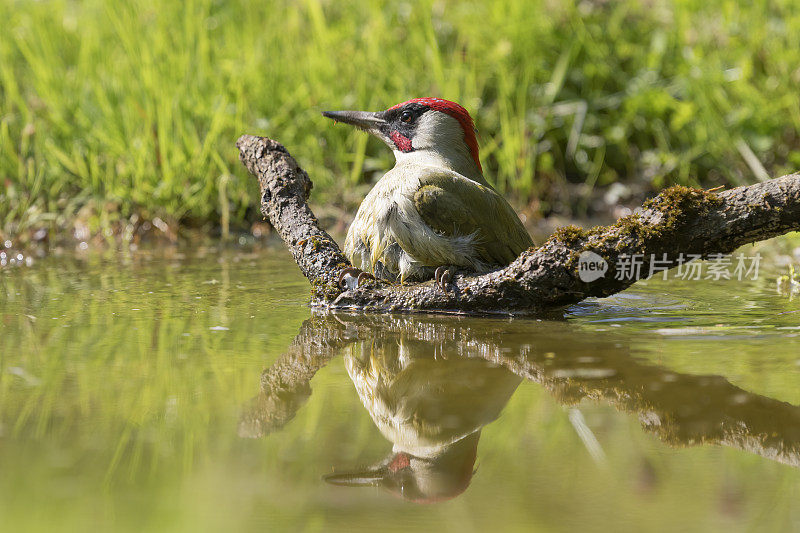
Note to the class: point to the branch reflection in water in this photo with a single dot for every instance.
(431, 383)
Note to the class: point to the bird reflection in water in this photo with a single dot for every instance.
(431, 383)
(431, 405)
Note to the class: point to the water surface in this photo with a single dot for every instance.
(195, 390)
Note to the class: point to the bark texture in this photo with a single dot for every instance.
(679, 221)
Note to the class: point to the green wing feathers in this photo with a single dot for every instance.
(452, 205)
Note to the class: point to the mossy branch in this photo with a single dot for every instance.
(678, 221)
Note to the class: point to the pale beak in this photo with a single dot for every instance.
(365, 120)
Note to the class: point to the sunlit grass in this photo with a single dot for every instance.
(114, 108)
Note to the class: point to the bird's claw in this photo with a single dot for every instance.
(443, 276)
(352, 277)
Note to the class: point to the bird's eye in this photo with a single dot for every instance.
(406, 116)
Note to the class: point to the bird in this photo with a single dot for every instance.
(434, 212)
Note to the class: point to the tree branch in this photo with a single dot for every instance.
(678, 221)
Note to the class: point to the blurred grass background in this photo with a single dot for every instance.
(113, 110)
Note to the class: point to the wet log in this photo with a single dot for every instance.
(678, 223)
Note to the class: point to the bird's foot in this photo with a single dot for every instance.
(443, 276)
(352, 277)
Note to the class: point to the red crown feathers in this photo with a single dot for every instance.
(457, 112)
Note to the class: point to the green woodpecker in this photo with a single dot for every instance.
(434, 212)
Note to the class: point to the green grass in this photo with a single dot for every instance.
(115, 109)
